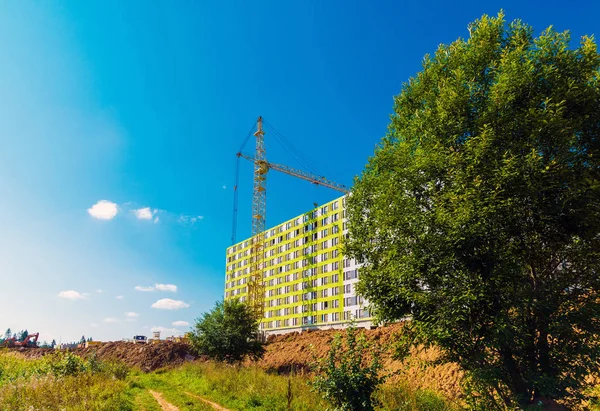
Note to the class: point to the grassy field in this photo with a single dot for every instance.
(67, 382)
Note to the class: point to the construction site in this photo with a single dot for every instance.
(294, 274)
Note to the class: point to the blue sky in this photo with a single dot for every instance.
(144, 105)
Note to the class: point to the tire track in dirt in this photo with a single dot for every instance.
(166, 406)
(212, 404)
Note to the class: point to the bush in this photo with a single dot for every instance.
(227, 333)
(350, 374)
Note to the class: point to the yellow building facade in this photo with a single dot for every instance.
(308, 281)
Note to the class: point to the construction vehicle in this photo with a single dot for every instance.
(256, 288)
(174, 339)
(140, 339)
(29, 341)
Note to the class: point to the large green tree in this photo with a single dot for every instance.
(229, 332)
(479, 213)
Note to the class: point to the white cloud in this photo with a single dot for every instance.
(111, 320)
(166, 332)
(131, 316)
(103, 210)
(99, 291)
(166, 287)
(93, 325)
(180, 324)
(144, 213)
(119, 297)
(168, 304)
(73, 295)
(156, 287)
(224, 187)
(186, 219)
(156, 220)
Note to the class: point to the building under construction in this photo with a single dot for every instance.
(308, 283)
(293, 276)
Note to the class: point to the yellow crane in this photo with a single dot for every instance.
(256, 287)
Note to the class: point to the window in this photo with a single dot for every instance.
(335, 241)
(347, 288)
(324, 318)
(362, 314)
(335, 303)
(335, 317)
(350, 275)
(348, 301)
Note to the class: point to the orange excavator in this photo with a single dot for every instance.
(29, 341)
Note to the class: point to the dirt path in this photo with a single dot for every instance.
(212, 404)
(166, 406)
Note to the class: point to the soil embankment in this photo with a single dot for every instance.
(295, 351)
(147, 357)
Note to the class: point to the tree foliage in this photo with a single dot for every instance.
(479, 213)
(229, 332)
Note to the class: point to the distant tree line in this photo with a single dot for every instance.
(22, 335)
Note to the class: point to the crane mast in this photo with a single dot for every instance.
(256, 286)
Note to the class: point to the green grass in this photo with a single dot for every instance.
(61, 382)
(239, 388)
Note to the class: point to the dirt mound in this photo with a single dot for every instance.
(295, 351)
(147, 357)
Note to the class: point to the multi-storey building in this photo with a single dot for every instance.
(308, 281)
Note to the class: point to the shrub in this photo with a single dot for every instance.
(350, 373)
(227, 333)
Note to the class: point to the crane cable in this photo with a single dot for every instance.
(235, 186)
(292, 150)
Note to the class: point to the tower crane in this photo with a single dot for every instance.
(256, 288)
